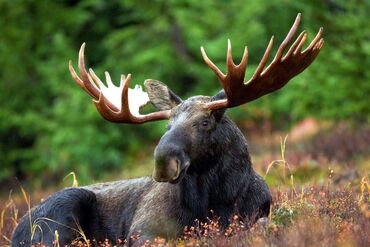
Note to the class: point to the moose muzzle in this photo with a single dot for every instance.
(167, 170)
(171, 161)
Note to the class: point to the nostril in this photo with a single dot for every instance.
(177, 161)
(173, 163)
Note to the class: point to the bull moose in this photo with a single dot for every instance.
(202, 163)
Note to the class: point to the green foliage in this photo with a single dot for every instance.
(336, 85)
(48, 125)
(284, 216)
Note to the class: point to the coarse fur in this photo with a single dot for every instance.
(204, 169)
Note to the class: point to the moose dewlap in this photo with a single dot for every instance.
(202, 164)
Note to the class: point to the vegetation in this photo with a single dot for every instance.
(314, 202)
(49, 128)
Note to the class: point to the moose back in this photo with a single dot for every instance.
(202, 162)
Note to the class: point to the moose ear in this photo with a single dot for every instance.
(218, 114)
(220, 95)
(160, 95)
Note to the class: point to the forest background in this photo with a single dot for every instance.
(49, 127)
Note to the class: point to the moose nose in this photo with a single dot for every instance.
(171, 156)
(167, 170)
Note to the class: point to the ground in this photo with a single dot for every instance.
(320, 186)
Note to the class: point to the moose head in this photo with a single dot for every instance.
(194, 121)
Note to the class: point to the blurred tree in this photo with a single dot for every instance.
(336, 85)
(47, 125)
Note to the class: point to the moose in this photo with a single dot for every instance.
(202, 164)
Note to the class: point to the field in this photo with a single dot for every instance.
(320, 186)
(310, 140)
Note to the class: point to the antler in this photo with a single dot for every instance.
(264, 81)
(117, 104)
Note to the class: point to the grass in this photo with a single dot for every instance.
(316, 202)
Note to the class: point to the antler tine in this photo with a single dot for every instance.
(315, 40)
(96, 79)
(125, 82)
(235, 73)
(264, 59)
(300, 45)
(221, 76)
(244, 61)
(288, 38)
(229, 56)
(123, 79)
(106, 112)
(231, 66)
(74, 75)
(108, 79)
(79, 81)
(294, 45)
(89, 86)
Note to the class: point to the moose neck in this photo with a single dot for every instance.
(219, 173)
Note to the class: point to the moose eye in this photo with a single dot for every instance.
(205, 123)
